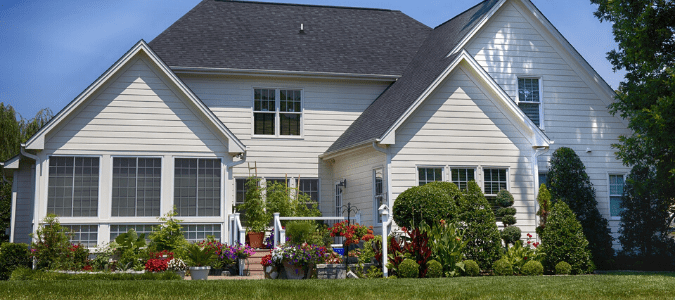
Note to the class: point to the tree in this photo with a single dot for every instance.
(569, 183)
(544, 199)
(644, 32)
(645, 221)
(479, 227)
(563, 240)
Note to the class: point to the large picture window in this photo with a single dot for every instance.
(136, 186)
(529, 98)
(277, 112)
(73, 186)
(197, 187)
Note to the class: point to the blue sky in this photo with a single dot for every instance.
(50, 51)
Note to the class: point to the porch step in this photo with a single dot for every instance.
(254, 267)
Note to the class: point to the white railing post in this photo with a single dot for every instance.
(241, 232)
(277, 229)
(384, 212)
(230, 237)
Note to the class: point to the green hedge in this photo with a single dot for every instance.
(22, 274)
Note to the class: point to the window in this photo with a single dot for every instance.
(87, 235)
(494, 180)
(616, 183)
(427, 175)
(197, 187)
(378, 193)
(73, 186)
(136, 186)
(543, 178)
(277, 112)
(198, 233)
(461, 177)
(116, 230)
(529, 98)
(309, 186)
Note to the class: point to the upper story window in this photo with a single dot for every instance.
(197, 187)
(136, 186)
(277, 112)
(529, 99)
(461, 177)
(427, 175)
(73, 186)
(616, 183)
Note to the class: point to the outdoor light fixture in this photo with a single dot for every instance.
(343, 183)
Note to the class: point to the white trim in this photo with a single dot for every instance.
(46, 181)
(508, 177)
(474, 168)
(282, 73)
(277, 114)
(376, 217)
(609, 193)
(540, 82)
(37, 141)
(429, 166)
(12, 220)
(186, 219)
(465, 40)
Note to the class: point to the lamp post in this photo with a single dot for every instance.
(384, 213)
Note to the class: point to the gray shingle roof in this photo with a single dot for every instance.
(429, 62)
(265, 36)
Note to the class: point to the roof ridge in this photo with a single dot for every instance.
(308, 5)
(459, 14)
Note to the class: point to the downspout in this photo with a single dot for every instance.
(389, 219)
(36, 195)
(539, 150)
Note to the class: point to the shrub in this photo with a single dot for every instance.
(52, 244)
(569, 183)
(254, 206)
(563, 240)
(408, 269)
(446, 246)
(479, 227)
(544, 200)
(428, 203)
(502, 267)
(518, 255)
(471, 268)
(300, 231)
(288, 202)
(168, 235)
(644, 231)
(532, 268)
(563, 268)
(12, 256)
(510, 235)
(504, 198)
(434, 269)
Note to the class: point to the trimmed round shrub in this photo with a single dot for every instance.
(563, 268)
(505, 211)
(504, 198)
(563, 240)
(434, 269)
(509, 220)
(429, 203)
(12, 256)
(471, 268)
(511, 234)
(502, 267)
(532, 268)
(408, 269)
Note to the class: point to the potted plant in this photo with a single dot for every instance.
(178, 266)
(254, 213)
(200, 257)
(298, 260)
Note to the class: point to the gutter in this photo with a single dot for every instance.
(538, 150)
(36, 192)
(282, 73)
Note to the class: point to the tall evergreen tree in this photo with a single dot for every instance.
(480, 227)
(569, 183)
(563, 240)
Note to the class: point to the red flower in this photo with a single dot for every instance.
(525, 258)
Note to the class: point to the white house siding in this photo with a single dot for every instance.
(513, 44)
(329, 107)
(459, 126)
(137, 113)
(25, 188)
(357, 168)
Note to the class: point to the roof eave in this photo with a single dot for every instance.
(282, 73)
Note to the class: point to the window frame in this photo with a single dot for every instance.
(91, 225)
(278, 112)
(222, 185)
(45, 210)
(417, 172)
(541, 98)
(508, 179)
(475, 173)
(610, 195)
(186, 232)
(376, 207)
(161, 185)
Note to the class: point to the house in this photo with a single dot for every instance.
(350, 105)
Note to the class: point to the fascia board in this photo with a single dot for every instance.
(465, 40)
(281, 73)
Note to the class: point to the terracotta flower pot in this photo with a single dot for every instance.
(255, 239)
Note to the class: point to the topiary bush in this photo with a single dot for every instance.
(12, 256)
(563, 240)
(502, 267)
(563, 268)
(507, 213)
(532, 268)
(480, 228)
(434, 269)
(429, 203)
(504, 199)
(511, 234)
(569, 183)
(471, 268)
(408, 269)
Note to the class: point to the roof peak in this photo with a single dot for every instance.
(307, 5)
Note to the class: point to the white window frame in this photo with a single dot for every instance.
(609, 193)
(94, 225)
(376, 207)
(508, 178)
(277, 113)
(474, 168)
(161, 185)
(444, 176)
(219, 238)
(223, 175)
(45, 209)
(541, 97)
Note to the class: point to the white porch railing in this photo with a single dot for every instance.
(280, 232)
(236, 231)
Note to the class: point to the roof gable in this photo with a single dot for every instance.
(37, 141)
(266, 36)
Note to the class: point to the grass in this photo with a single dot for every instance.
(609, 286)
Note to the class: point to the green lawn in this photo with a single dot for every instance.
(617, 286)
